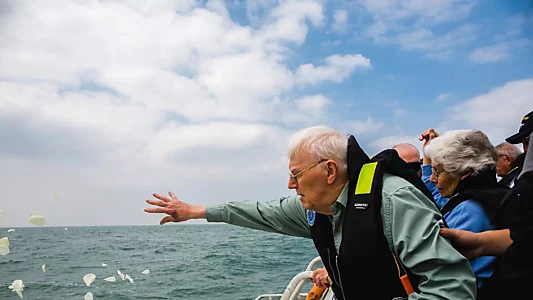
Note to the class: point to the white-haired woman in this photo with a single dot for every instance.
(459, 170)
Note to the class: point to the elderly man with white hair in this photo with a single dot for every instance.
(510, 161)
(377, 233)
(459, 170)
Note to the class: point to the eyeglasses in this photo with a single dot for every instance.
(295, 176)
(436, 173)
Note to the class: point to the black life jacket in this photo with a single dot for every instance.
(364, 259)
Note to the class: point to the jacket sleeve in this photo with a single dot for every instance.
(412, 223)
(285, 216)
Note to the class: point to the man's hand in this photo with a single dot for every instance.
(177, 211)
(468, 243)
(321, 278)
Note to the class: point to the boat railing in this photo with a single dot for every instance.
(293, 290)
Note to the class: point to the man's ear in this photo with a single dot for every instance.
(331, 167)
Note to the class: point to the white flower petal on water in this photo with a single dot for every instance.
(104, 265)
(121, 275)
(66, 228)
(88, 296)
(110, 279)
(89, 278)
(145, 272)
(11, 230)
(37, 218)
(17, 286)
(56, 196)
(1, 216)
(4, 250)
(4, 246)
(129, 278)
(44, 268)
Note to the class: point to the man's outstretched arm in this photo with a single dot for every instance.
(285, 215)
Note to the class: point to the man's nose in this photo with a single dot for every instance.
(292, 184)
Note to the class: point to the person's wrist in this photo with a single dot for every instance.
(198, 212)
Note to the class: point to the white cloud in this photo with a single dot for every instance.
(507, 43)
(340, 18)
(400, 112)
(287, 21)
(362, 127)
(434, 11)
(497, 113)
(442, 97)
(409, 24)
(437, 47)
(305, 111)
(498, 52)
(390, 141)
(102, 97)
(336, 69)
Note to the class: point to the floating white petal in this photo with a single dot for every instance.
(66, 228)
(17, 286)
(89, 278)
(111, 279)
(88, 296)
(36, 218)
(129, 278)
(145, 272)
(11, 230)
(56, 196)
(4, 246)
(104, 265)
(1, 216)
(121, 275)
(44, 268)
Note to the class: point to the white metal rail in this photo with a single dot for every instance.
(293, 290)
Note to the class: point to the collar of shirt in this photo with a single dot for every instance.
(341, 201)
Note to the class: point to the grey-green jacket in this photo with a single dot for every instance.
(410, 224)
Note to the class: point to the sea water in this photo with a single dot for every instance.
(185, 261)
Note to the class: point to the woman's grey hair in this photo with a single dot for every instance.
(320, 142)
(462, 151)
(508, 150)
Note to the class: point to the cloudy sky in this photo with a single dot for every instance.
(107, 102)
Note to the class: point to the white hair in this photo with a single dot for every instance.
(320, 142)
(508, 150)
(462, 151)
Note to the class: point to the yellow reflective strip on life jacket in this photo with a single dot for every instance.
(366, 177)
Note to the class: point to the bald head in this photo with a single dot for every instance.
(407, 152)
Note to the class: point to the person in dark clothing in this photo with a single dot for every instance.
(514, 169)
(526, 128)
(513, 243)
(522, 136)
